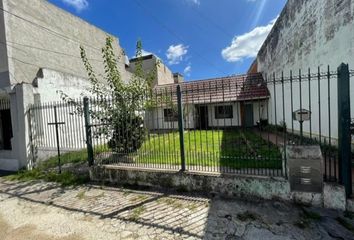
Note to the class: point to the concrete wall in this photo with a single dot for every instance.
(4, 68)
(50, 83)
(309, 34)
(163, 73)
(224, 185)
(38, 36)
(50, 38)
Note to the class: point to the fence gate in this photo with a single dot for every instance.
(57, 132)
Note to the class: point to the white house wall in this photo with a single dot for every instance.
(154, 119)
(306, 35)
(259, 112)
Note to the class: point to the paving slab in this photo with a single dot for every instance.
(40, 210)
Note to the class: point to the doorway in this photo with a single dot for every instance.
(249, 118)
(202, 120)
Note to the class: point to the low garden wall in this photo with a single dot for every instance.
(223, 185)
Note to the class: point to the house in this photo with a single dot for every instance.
(39, 58)
(231, 101)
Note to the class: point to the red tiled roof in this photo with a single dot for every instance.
(226, 89)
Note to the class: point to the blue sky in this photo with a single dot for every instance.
(198, 38)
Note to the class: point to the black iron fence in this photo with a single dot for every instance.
(237, 124)
(57, 133)
(208, 126)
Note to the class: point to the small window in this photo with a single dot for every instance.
(170, 115)
(222, 112)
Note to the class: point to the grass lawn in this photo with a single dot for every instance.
(212, 148)
(219, 148)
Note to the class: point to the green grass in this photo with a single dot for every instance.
(46, 171)
(68, 158)
(228, 148)
(136, 213)
(224, 148)
(65, 179)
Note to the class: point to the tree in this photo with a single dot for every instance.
(117, 106)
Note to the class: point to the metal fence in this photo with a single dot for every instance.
(57, 132)
(238, 124)
(195, 127)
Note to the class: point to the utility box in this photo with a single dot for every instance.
(305, 168)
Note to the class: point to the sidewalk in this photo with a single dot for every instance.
(38, 211)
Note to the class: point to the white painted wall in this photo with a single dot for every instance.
(154, 119)
(259, 112)
(309, 34)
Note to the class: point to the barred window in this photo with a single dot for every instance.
(222, 112)
(170, 115)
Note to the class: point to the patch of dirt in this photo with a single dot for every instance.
(28, 232)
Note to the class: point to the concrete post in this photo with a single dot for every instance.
(21, 99)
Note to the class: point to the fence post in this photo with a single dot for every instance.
(181, 128)
(344, 136)
(88, 131)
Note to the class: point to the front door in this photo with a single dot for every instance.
(203, 117)
(249, 120)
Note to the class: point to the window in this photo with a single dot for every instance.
(170, 115)
(222, 112)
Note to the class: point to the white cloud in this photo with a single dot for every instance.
(79, 5)
(187, 71)
(175, 53)
(248, 44)
(196, 2)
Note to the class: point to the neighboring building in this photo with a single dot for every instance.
(39, 57)
(212, 103)
(150, 63)
(309, 34)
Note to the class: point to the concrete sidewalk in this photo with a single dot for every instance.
(39, 210)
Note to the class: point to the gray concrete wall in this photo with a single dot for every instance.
(308, 34)
(47, 37)
(4, 68)
(163, 73)
(224, 185)
(39, 35)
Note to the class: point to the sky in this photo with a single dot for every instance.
(198, 38)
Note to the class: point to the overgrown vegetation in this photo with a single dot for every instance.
(65, 178)
(136, 213)
(48, 170)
